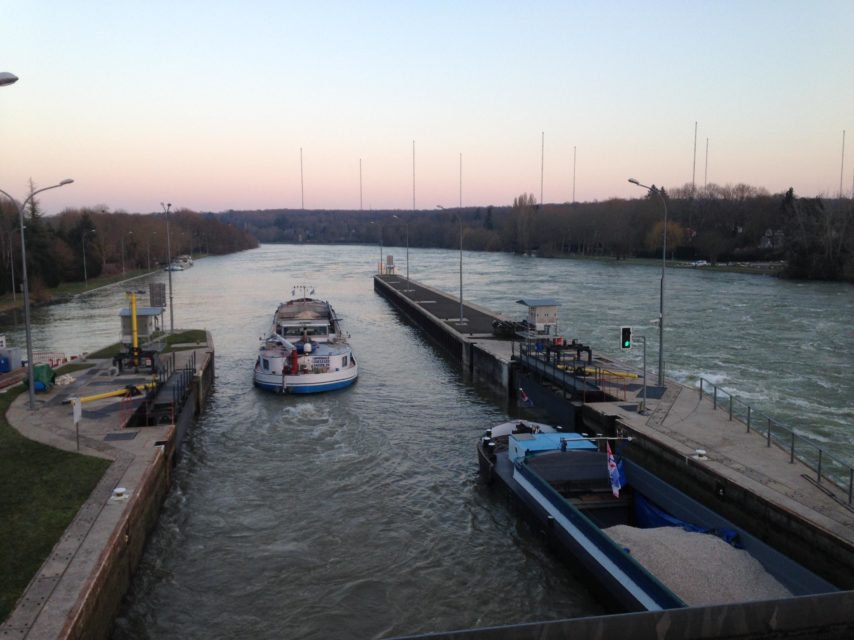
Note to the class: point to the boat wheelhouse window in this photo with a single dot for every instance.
(265, 363)
(297, 331)
(344, 361)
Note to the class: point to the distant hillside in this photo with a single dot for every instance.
(718, 224)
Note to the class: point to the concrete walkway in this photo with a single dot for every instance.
(56, 593)
(676, 417)
(685, 422)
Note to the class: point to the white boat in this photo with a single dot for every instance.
(306, 350)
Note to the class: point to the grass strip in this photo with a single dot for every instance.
(41, 490)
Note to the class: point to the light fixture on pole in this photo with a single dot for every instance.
(407, 247)
(83, 244)
(460, 217)
(130, 233)
(7, 78)
(166, 208)
(380, 226)
(657, 192)
(21, 207)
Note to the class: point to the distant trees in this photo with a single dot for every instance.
(718, 223)
(56, 245)
(819, 237)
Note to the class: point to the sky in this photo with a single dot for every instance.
(216, 105)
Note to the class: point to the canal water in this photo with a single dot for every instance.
(357, 514)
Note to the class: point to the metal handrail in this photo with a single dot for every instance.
(827, 468)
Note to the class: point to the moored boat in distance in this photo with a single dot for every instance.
(306, 350)
(647, 545)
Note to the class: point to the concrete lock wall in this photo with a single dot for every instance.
(94, 614)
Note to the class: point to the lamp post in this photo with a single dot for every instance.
(166, 208)
(21, 207)
(12, 268)
(83, 243)
(407, 247)
(380, 227)
(656, 191)
(460, 216)
(7, 78)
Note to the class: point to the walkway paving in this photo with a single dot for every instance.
(676, 417)
(685, 422)
(54, 595)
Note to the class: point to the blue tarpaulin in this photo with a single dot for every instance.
(649, 516)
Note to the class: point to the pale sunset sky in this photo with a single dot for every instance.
(206, 104)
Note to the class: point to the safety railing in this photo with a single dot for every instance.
(826, 467)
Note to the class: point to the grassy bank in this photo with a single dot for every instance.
(41, 490)
(66, 290)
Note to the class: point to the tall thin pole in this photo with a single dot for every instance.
(542, 162)
(573, 173)
(661, 295)
(360, 184)
(85, 274)
(12, 266)
(461, 180)
(462, 317)
(842, 164)
(301, 183)
(413, 175)
(706, 173)
(169, 268)
(694, 167)
(461, 238)
(27, 326)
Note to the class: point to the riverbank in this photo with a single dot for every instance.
(76, 580)
(67, 290)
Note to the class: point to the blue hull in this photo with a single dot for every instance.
(308, 388)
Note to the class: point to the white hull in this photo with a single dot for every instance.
(305, 351)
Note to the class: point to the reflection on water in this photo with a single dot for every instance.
(357, 514)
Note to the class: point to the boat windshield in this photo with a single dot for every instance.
(298, 330)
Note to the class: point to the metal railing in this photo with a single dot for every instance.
(827, 468)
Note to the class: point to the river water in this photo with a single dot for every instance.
(357, 514)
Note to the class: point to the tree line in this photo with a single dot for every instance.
(814, 237)
(79, 244)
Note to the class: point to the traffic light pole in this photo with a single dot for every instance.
(643, 404)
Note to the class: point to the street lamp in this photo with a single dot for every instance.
(130, 233)
(166, 208)
(407, 247)
(7, 78)
(83, 243)
(460, 216)
(21, 207)
(148, 249)
(380, 226)
(657, 192)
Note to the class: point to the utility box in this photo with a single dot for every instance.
(542, 316)
(14, 358)
(147, 322)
